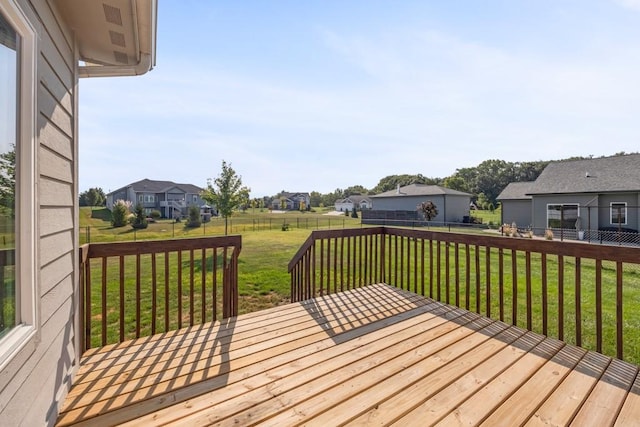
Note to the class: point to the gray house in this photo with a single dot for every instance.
(46, 46)
(516, 203)
(592, 194)
(452, 205)
(292, 201)
(171, 199)
(347, 204)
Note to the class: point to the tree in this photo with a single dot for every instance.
(119, 213)
(354, 212)
(8, 182)
(428, 209)
(355, 189)
(226, 192)
(93, 197)
(194, 217)
(140, 220)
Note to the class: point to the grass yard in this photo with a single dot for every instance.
(264, 282)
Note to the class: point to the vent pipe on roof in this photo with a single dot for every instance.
(398, 189)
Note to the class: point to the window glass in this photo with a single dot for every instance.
(562, 215)
(8, 136)
(618, 213)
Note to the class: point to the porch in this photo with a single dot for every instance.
(371, 355)
(355, 350)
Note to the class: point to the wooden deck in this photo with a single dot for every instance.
(372, 356)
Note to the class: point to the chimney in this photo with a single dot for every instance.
(398, 189)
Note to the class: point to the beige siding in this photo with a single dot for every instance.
(37, 378)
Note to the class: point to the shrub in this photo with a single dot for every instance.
(346, 212)
(155, 214)
(194, 217)
(139, 221)
(119, 213)
(354, 213)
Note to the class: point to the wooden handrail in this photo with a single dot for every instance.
(133, 289)
(561, 289)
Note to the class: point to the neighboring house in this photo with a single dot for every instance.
(452, 205)
(171, 199)
(46, 46)
(362, 202)
(292, 201)
(592, 194)
(516, 204)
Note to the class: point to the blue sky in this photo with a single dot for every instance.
(318, 95)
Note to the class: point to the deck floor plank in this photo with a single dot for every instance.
(374, 355)
(262, 386)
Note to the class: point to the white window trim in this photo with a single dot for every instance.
(611, 213)
(27, 277)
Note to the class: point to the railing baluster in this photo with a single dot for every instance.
(104, 300)
(619, 319)
(467, 277)
(528, 288)
(122, 296)
(422, 267)
(214, 292)
(166, 291)
(179, 269)
(599, 305)
(488, 280)
(457, 270)
(154, 298)
(501, 282)
(447, 275)
(191, 288)
(360, 277)
(560, 297)
(578, 303)
(203, 286)
(438, 269)
(545, 297)
(477, 264)
(514, 288)
(138, 294)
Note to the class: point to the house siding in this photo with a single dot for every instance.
(450, 208)
(34, 382)
(540, 203)
(518, 211)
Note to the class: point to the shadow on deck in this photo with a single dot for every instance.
(373, 355)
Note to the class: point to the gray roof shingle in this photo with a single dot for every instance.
(153, 186)
(421, 190)
(598, 175)
(517, 191)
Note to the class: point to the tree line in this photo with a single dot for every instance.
(484, 182)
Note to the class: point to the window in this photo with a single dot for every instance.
(562, 215)
(140, 198)
(195, 198)
(618, 213)
(8, 135)
(149, 198)
(18, 249)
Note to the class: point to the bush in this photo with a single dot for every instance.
(354, 213)
(194, 217)
(155, 214)
(346, 212)
(139, 221)
(119, 214)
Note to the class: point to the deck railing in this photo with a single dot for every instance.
(582, 294)
(134, 289)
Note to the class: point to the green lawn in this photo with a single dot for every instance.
(267, 249)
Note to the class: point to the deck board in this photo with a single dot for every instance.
(376, 355)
